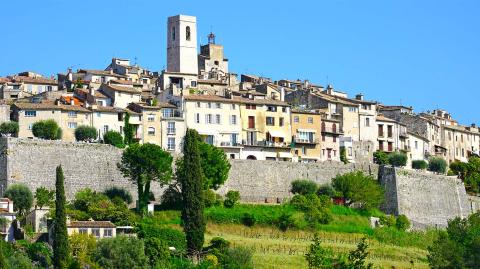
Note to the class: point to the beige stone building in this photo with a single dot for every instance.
(392, 135)
(217, 119)
(68, 117)
(330, 140)
(306, 131)
(121, 96)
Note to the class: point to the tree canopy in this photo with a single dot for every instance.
(44, 197)
(21, 196)
(215, 165)
(85, 133)
(47, 129)
(356, 187)
(143, 164)
(113, 138)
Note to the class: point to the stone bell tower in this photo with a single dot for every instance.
(182, 44)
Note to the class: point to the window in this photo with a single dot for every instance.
(171, 127)
(253, 107)
(96, 232)
(105, 128)
(173, 33)
(208, 118)
(30, 126)
(390, 131)
(310, 120)
(380, 145)
(449, 136)
(99, 114)
(199, 104)
(150, 117)
(120, 116)
(304, 151)
(167, 113)
(334, 139)
(416, 144)
(72, 114)
(72, 125)
(284, 109)
(193, 83)
(218, 119)
(187, 33)
(107, 232)
(251, 122)
(281, 121)
(218, 105)
(151, 131)
(171, 143)
(367, 122)
(380, 130)
(334, 128)
(209, 139)
(233, 119)
(233, 106)
(30, 113)
(296, 119)
(209, 105)
(197, 117)
(323, 137)
(216, 63)
(272, 108)
(270, 121)
(352, 109)
(463, 152)
(83, 231)
(461, 138)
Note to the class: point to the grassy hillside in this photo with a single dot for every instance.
(389, 247)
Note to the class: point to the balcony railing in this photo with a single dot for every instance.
(173, 114)
(229, 144)
(265, 143)
(305, 141)
(332, 130)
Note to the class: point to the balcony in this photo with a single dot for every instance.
(403, 134)
(230, 144)
(265, 144)
(172, 113)
(298, 140)
(335, 131)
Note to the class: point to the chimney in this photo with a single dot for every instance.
(359, 97)
(57, 102)
(92, 91)
(282, 94)
(69, 74)
(72, 101)
(329, 89)
(111, 71)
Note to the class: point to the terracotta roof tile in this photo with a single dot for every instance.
(90, 224)
(123, 89)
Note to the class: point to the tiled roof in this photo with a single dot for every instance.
(123, 89)
(235, 99)
(124, 82)
(34, 80)
(4, 80)
(90, 224)
(383, 118)
(100, 73)
(211, 81)
(49, 106)
(108, 109)
(141, 105)
(334, 99)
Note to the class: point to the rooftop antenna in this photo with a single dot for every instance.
(211, 38)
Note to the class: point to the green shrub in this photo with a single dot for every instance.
(120, 252)
(380, 157)
(172, 198)
(113, 138)
(328, 190)
(303, 187)
(21, 196)
(438, 165)
(356, 187)
(343, 155)
(85, 133)
(285, 222)
(210, 198)
(156, 251)
(231, 199)
(397, 159)
(219, 243)
(419, 164)
(120, 193)
(47, 129)
(174, 238)
(402, 223)
(248, 220)
(388, 221)
(237, 257)
(9, 128)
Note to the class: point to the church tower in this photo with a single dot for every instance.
(182, 44)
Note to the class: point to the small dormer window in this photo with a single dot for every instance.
(187, 35)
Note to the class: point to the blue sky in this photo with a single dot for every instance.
(420, 53)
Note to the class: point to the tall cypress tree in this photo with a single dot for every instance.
(191, 179)
(127, 130)
(60, 236)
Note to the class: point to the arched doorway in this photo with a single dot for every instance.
(251, 157)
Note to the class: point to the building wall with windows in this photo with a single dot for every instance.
(71, 118)
(461, 142)
(417, 147)
(217, 120)
(106, 119)
(173, 129)
(330, 141)
(306, 132)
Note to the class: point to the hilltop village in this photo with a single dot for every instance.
(248, 116)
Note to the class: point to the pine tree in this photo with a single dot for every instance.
(60, 236)
(191, 179)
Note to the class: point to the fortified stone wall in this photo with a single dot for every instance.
(33, 163)
(269, 181)
(425, 198)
